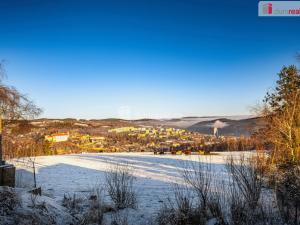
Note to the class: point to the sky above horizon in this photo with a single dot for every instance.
(144, 59)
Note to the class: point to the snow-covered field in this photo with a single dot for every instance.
(81, 173)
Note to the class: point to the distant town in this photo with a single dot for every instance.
(52, 136)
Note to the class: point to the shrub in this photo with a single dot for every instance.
(182, 211)
(119, 219)
(120, 186)
(8, 200)
(288, 194)
(199, 176)
(236, 201)
(247, 177)
(94, 215)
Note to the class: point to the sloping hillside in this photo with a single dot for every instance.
(228, 127)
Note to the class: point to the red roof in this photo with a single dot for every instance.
(60, 134)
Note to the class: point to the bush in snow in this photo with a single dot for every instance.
(288, 193)
(238, 201)
(119, 218)
(199, 177)
(94, 215)
(247, 205)
(72, 203)
(8, 201)
(120, 186)
(19, 207)
(181, 211)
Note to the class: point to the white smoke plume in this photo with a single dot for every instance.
(219, 124)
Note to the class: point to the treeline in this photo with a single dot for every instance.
(31, 147)
(235, 144)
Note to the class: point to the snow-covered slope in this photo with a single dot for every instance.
(80, 174)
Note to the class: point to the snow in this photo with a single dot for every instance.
(81, 173)
(29, 208)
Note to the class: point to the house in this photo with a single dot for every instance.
(122, 129)
(58, 137)
(96, 139)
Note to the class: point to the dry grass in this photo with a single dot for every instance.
(238, 201)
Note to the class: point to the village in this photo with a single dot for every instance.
(159, 140)
(71, 136)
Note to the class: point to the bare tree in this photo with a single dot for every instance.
(13, 105)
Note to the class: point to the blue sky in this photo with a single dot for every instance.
(137, 59)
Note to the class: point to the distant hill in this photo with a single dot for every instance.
(229, 127)
(184, 122)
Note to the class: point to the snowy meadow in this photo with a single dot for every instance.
(155, 176)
